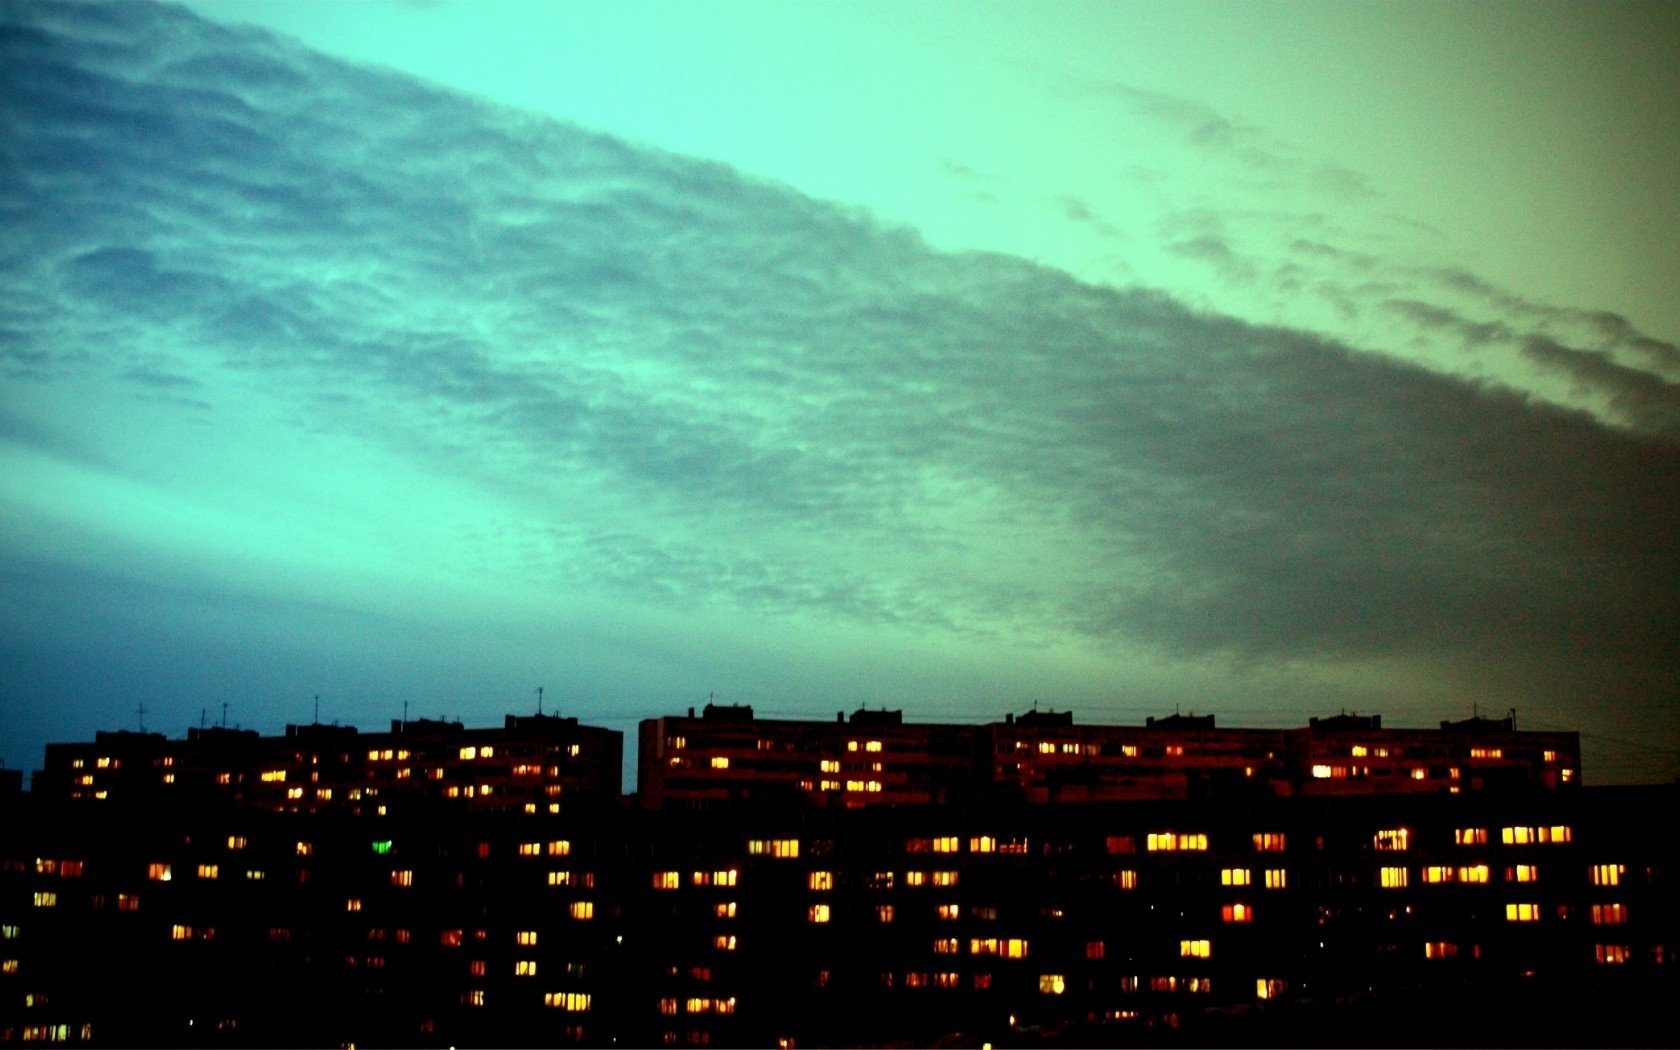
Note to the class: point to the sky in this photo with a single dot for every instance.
(1266, 361)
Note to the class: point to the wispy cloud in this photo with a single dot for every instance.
(700, 389)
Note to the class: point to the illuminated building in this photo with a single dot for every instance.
(532, 764)
(748, 910)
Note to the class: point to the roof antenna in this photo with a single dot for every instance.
(405, 714)
(140, 715)
(317, 708)
(539, 700)
(224, 714)
(203, 712)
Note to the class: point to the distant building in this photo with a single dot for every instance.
(531, 764)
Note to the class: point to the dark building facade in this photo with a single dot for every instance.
(974, 910)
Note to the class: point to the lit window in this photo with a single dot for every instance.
(1608, 874)
(128, 902)
(1126, 879)
(944, 878)
(560, 878)
(1611, 954)
(817, 913)
(571, 1002)
(1609, 914)
(883, 913)
(1052, 983)
(8, 966)
(668, 1007)
(820, 880)
(1392, 878)
(1129, 751)
(525, 938)
(159, 872)
(945, 844)
(1392, 839)
(353, 904)
(946, 945)
(1277, 878)
(1420, 773)
(1322, 771)
(915, 878)
(530, 849)
(450, 938)
(724, 942)
(1269, 987)
(402, 878)
(1522, 913)
(1170, 840)
(720, 761)
(305, 849)
(1522, 873)
(1195, 949)
(724, 909)
(1046, 747)
(666, 880)
(1487, 752)
(1434, 873)
(1236, 913)
(209, 871)
(949, 912)
(1473, 873)
(724, 878)
(872, 745)
(1439, 950)
(1359, 751)
(582, 911)
(274, 776)
(178, 932)
(785, 849)
(236, 842)
(982, 844)
(1095, 949)
(829, 765)
(525, 968)
(559, 848)
(1234, 877)
(1268, 842)
(46, 899)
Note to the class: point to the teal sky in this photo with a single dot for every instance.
(1263, 360)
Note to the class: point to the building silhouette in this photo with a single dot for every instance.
(1025, 882)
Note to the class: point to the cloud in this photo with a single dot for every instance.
(700, 391)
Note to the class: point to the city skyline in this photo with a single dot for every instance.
(321, 381)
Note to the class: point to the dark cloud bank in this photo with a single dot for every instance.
(521, 300)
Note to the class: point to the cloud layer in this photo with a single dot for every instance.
(675, 386)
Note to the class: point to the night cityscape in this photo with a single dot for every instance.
(847, 523)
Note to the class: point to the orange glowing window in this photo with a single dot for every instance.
(1236, 913)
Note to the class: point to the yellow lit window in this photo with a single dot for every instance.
(525, 938)
(820, 880)
(1523, 873)
(1359, 751)
(1611, 954)
(1126, 879)
(724, 909)
(560, 878)
(829, 765)
(305, 849)
(8, 966)
(915, 878)
(817, 913)
(724, 878)
(1269, 987)
(571, 1002)
(945, 844)
(1608, 874)
(1394, 839)
(209, 871)
(883, 913)
(1046, 747)
(402, 878)
(178, 932)
(1052, 983)
(1277, 878)
(1434, 873)
(1195, 949)
(525, 968)
(720, 761)
(1522, 913)
(1171, 840)
(353, 904)
(872, 745)
(530, 849)
(159, 872)
(273, 776)
(982, 844)
(46, 899)
(1473, 873)
(236, 842)
(666, 880)
(946, 945)
(949, 912)
(1236, 913)
(582, 910)
(1013, 948)
(1609, 914)
(724, 942)
(1234, 877)
(1420, 773)
(559, 848)
(1487, 752)
(944, 878)
(1268, 842)
(1323, 771)
(1392, 878)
